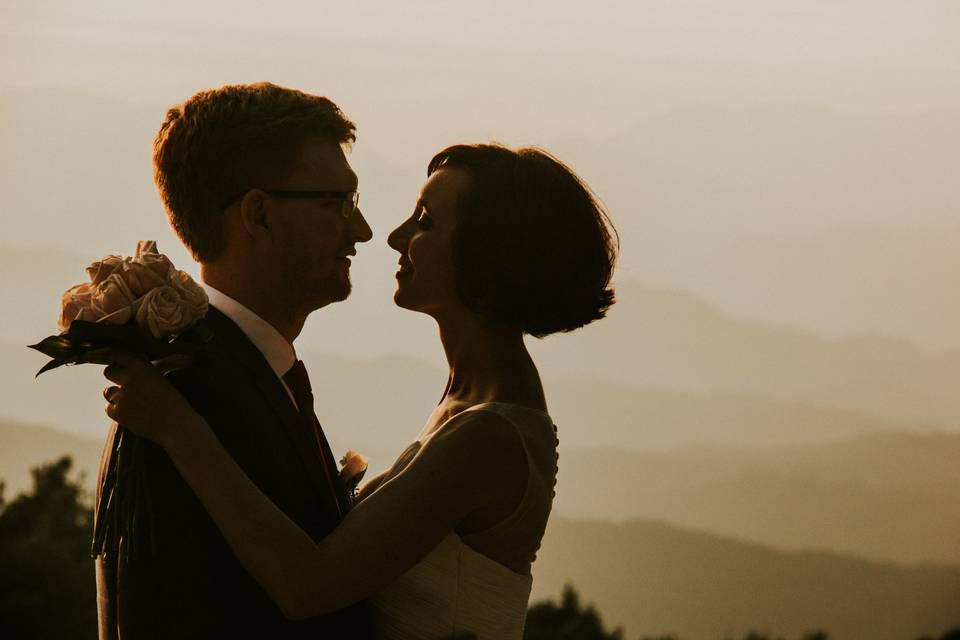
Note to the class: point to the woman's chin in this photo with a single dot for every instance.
(403, 300)
(400, 299)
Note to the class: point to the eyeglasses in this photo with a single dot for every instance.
(349, 200)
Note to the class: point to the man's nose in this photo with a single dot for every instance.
(359, 229)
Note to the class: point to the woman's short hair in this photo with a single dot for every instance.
(225, 141)
(533, 247)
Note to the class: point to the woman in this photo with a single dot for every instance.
(500, 243)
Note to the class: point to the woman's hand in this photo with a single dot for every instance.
(144, 402)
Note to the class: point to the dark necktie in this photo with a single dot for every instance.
(298, 382)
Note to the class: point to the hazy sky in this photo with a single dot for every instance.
(715, 130)
(413, 73)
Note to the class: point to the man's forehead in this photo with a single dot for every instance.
(327, 161)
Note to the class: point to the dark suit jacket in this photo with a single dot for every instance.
(193, 586)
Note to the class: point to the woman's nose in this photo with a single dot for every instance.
(398, 238)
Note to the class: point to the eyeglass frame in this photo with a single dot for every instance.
(345, 198)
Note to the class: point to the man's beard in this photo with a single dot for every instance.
(319, 291)
(333, 288)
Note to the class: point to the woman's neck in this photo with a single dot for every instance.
(488, 363)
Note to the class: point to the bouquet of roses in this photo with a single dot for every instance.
(144, 305)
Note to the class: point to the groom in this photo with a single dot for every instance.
(257, 186)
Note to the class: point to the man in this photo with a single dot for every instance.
(257, 186)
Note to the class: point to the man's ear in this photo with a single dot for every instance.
(255, 213)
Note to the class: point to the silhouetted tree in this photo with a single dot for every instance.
(566, 621)
(47, 585)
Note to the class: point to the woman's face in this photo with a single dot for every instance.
(425, 280)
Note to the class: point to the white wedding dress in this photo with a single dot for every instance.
(456, 590)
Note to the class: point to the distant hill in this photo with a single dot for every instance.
(591, 411)
(891, 280)
(654, 338)
(26, 446)
(792, 213)
(658, 337)
(652, 578)
(889, 496)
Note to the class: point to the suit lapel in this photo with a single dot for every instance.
(234, 343)
(339, 487)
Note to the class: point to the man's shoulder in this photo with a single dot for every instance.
(216, 342)
(215, 362)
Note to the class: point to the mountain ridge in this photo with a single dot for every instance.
(653, 578)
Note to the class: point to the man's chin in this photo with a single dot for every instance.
(333, 291)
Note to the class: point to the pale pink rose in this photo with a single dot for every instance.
(88, 314)
(163, 312)
(113, 300)
(191, 292)
(141, 278)
(146, 246)
(156, 262)
(104, 268)
(352, 464)
(74, 300)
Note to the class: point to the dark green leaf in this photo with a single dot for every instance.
(54, 346)
(53, 364)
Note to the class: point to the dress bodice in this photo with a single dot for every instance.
(456, 589)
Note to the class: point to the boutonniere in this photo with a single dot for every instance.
(352, 467)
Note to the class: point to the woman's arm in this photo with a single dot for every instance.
(370, 486)
(460, 470)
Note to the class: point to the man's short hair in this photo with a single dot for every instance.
(223, 142)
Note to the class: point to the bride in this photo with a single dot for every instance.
(501, 243)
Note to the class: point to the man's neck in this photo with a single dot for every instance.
(258, 298)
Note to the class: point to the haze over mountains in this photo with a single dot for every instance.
(889, 496)
(689, 375)
(795, 214)
(654, 339)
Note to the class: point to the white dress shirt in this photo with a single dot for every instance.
(279, 353)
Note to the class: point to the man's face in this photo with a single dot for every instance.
(314, 241)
